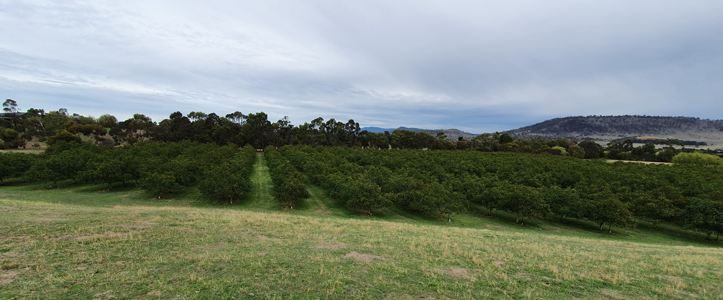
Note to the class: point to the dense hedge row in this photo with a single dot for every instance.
(160, 167)
(445, 182)
(230, 179)
(289, 186)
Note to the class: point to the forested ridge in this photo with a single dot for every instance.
(612, 127)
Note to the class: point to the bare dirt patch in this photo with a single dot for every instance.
(499, 263)
(261, 237)
(322, 212)
(155, 293)
(361, 257)
(18, 239)
(524, 275)
(330, 246)
(7, 277)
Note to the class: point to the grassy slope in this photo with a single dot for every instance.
(84, 242)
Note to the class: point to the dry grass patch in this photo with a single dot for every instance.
(290, 256)
(108, 235)
(460, 273)
(49, 220)
(7, 277)
(362, 257)
(263, 238)
(62, 238)
(329, 246)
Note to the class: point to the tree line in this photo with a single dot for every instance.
(221, 172)
(289, 185)
(442, 183)
(254, 129)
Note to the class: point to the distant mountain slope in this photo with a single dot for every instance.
(452, 134)
(607, 128)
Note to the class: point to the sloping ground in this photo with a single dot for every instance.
(82, 242)
(53, 251)
(607, 128)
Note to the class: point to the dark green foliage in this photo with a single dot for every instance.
(524, 201)
(704, 215)
(10, 138)
(15, 164)
(161, 182)
(230, 179)
(63, 136)
(289, 186)
(592, 149)
(605, 207)
(563, 202)
(524, 185)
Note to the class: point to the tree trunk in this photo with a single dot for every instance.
(517, 220)
(609, 230)
(231, 200)
(110, 187)
(601, 225)
(561, 218)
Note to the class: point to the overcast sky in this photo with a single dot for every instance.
(476, 65)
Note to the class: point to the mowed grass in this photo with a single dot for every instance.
(83, 242)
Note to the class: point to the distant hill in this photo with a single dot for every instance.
(452, 134)
(604, 129)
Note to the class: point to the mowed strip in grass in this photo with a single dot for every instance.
(260, 196)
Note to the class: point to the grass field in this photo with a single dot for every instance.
(83, 242)
(29, 151)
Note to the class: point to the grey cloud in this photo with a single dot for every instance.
(475, 65)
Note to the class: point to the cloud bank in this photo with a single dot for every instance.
(474, 65)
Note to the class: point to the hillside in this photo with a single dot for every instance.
(85, 242)
(452, 134)
(607, 128)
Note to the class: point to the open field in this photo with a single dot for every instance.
(29, 151)
(640, 162)
(77, 242)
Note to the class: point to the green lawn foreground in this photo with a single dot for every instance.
(60, 244)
